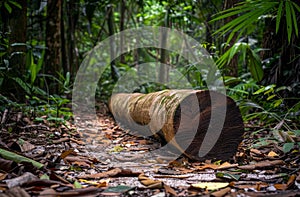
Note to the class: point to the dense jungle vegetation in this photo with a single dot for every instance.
(255, 44)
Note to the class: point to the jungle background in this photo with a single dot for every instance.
(255, 44)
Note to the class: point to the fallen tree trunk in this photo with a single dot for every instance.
(200, 124)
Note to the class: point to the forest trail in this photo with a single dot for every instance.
(111, 162)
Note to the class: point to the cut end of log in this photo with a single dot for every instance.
(200, 124)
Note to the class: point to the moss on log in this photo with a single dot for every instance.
(200, 124)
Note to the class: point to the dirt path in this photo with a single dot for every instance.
(107, 161)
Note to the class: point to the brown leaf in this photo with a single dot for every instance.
(56, 177)
(16, 192)
(109, 173)
(48, 193)
(81, 164)
(226, 165)
(7, 165)
(2, 176)
(26, 177)
(60, 140)
(79, 142)
(150, 183)
(280, 186)
(221, 192)
(261, 164)
(256, 151)
(66, 153)
(170, 190)
(73, 159)
(291, 180)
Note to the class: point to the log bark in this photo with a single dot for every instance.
(200, 124)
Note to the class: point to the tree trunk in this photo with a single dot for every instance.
(71, 48)
(18, 27)
(191, 121)
(53, 43)
(111, 30)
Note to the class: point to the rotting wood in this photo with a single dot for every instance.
(182, 118)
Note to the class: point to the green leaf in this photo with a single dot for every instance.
(25, 86)
(297, 132)
(15, 4)
(278, 18)
(8, 8)
(294, 19)
(228, 176)
(118, 189)
(45, 177)
(287, 147)
(18, 158)
(288, 20)
(255, 66)
(77, 185)
(296, 6)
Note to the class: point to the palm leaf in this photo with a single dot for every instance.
(288, 20)
(294, 19)
(278, 18)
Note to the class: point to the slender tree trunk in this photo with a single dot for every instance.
(72, 15)
(53, 56)
(122, 26)
(64, 41)
(14, 27)
(163, 75)
(110, 23)
(18, 26)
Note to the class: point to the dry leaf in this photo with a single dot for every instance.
(210, 185)
(150, 183)
(26, 177)
(272, 154)
(280, 186)
(226, 165)
(170, 190)
(221, 192)
(109, 173)
(66, 153)
(2, 176)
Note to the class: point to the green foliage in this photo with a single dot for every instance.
(9, 5)
(247, 56)
(251, 11)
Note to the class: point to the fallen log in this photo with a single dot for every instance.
(200, 124)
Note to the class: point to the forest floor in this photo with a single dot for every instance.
(46, 159)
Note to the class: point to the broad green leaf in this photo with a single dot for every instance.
(8, 8)
(270, 97)
(77, 185)
(297, 132)
(287, 147)
(277, 102)
(264, 89)
(288, 20)
(15, 4)
(255, 68)
(25, 86)
(2, 53)
(45, 177)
